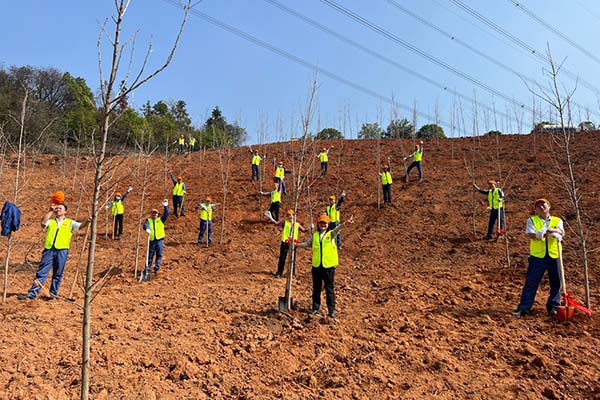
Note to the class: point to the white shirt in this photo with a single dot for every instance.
(530, 228)
(74, 224)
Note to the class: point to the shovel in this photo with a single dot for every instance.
(563, 312)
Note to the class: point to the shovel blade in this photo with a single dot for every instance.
(283, 304)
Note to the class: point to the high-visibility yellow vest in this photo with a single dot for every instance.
(157, 228)
(178, 189)
(537, 248)
(181, 141)
(256, 159)
(287, 230)
(494, 199)
(117, 207)
(333, 213)
(192, 141)
(386, 178)
(418, 155)
(59, 236)
(206, 212)
(279, 172)
(323, 156)
(324, 251)
(275, 196)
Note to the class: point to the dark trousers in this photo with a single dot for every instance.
(493, 219)
(51, 258)
(178, 204)
(255, 172)
(274, 210)
(118, 225)
(412, 165)
(204, 226)
(281, 183)
(324, 168)
(284, 249)
(387, 194)
(180, 149)
(155, 248)
(320, 275)
(533, 278)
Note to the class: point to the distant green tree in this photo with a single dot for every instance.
(431, 131)
(182, 119)
(370, 131)
(493, 133)
(399, 128)
(216, 120)
(80, 117)
(329, 134)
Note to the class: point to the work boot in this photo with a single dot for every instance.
(277, 275)
(24, 297)
(518, 313)
(145, 276)
(331, 313)
(314, 311)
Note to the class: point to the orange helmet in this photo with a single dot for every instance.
(118, 194)
(179, 178)
(332, 197)
(385, 166)
(541, 200)
(324, 218)
(154, 210)
(280, 162)
(208, 198)
(290, 212)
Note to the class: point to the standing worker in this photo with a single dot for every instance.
(280, 172)
(56, 249)
(495, 205)
(386, 184)
(256, 159)
(155, 228)
(324, 158)
(181, 144)
(178, 194)
(273, 211)
(117, 211)
(545, 235)
(289, 233)
(333, 212)
(192, 143)
(206, 214)
(417, 157)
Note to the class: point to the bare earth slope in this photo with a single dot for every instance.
(423, 302)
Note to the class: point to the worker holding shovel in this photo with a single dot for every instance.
(117, 211)
(178, 195)
(417, 157)
(496, 207)
(59, 230)
(273, 211)
(206, 214)
(155, 228)
(386, 184)
(545, 233)
(289, 233)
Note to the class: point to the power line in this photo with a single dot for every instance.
(421, 52)
(303, 62)
(553, 29)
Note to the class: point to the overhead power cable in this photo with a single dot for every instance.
(540, 55)
(552, 29)
(304, 63)
(379, 56)
(422, 53)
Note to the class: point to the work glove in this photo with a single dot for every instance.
(343, 193)
(129, 189)
(540, 234)
(557, 236)
(108, 206)
(148, 231)
(312, 227)
(165, 203)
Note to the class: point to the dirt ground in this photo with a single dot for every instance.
(423, 301)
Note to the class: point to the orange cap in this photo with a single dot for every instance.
(332, 197)
(324, 218)
(290, 212)
(208, 198)
(154, 210)
(492, 181)
(118, 194)
(57, 198)
(280, 162)
(540, 200)
(385, 166)
(179, 178)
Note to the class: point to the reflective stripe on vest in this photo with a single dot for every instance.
(494, 199)
(324, 252)
(287, 230)
(417, 155)
(178, 189)
(256, 160)
(157, 228)
(279, 172)
(117, 207)
(386, 178)
(323, 157)
(537, 248)
(275, 196)
(58, 237)
(333, 213)
(206, 212)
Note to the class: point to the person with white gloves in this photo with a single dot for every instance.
(545, 233)
(118, 210)
(155, 228)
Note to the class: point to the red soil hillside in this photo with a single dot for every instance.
(423, 302)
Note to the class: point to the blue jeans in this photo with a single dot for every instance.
(533, 278)
(255, 172)
(415, 164)
(203, 225)
(50, 258)
(155, 248)
(178, 204)
(281, 183)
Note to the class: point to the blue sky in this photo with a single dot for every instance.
(254, 86)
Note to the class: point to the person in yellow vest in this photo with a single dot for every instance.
(181, 144)
(155, 228)
(192, 144)
(273, 211)
(117, 211)
(256, 159)
(287, 234)
(56, 249)
(178, 194)
(417, 157)
(324, 159)
(545, 234)
(495, 205)
(386, 184)
(280, 172)
(324, 263)
(333, 212)
(206, 214)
